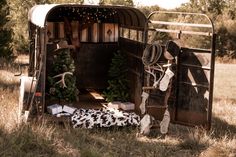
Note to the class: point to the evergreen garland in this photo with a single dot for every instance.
(63, 62)
(117, 89)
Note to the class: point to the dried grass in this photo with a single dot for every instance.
(43, 138)
(224, 84)
(221, 148)
(8, 108)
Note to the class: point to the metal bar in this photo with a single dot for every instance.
(183, 49)
(132, 27)
(181, 24)
(195, 84)
(148, 88)
(182, 32)
(156, 106)
(196, 66)
(36, 48)
(175, 111)
(185, 123)
(209, 109)
(43, 71)
(183, 13)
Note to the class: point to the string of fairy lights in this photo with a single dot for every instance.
(88, 15)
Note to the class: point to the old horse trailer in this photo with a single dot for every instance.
(152, 45)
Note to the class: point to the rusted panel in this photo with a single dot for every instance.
(193, 98)
(193, 87)
(133, 51)
(191, 118)
(195, 58)
(194, 81)
(135, 89)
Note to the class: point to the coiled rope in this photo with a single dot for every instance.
(151, 54)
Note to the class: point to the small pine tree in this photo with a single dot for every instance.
(63, 62)
(5, 32)
(117, 89)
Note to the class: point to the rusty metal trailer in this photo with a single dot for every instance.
(99, 30)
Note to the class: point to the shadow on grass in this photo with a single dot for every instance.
(200, 140)
(23, 142)
(27, 141)
(221, 128)
(120, 142)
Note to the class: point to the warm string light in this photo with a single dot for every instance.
(87, 15)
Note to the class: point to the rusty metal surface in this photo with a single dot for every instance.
(133, 51)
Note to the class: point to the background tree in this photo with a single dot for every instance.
(118, 2)
(5, 31)
(19, 13)
(222, 14)
(148, 9)
(19, 18)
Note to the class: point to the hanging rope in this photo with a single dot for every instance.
(151, 54)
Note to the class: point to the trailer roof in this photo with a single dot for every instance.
(125, 16)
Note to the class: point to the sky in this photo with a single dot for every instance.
(167, 4)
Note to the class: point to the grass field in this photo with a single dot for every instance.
(42, 139)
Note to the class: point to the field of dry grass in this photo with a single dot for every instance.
(225, 84)
(46, 139)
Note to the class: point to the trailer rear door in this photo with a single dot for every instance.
(190, 98)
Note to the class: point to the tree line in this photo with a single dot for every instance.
(14, 22)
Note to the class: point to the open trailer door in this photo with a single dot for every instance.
(190, 92)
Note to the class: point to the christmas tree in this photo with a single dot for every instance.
(117, 89)
(63, 62)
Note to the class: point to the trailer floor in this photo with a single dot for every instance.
(90, 99)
